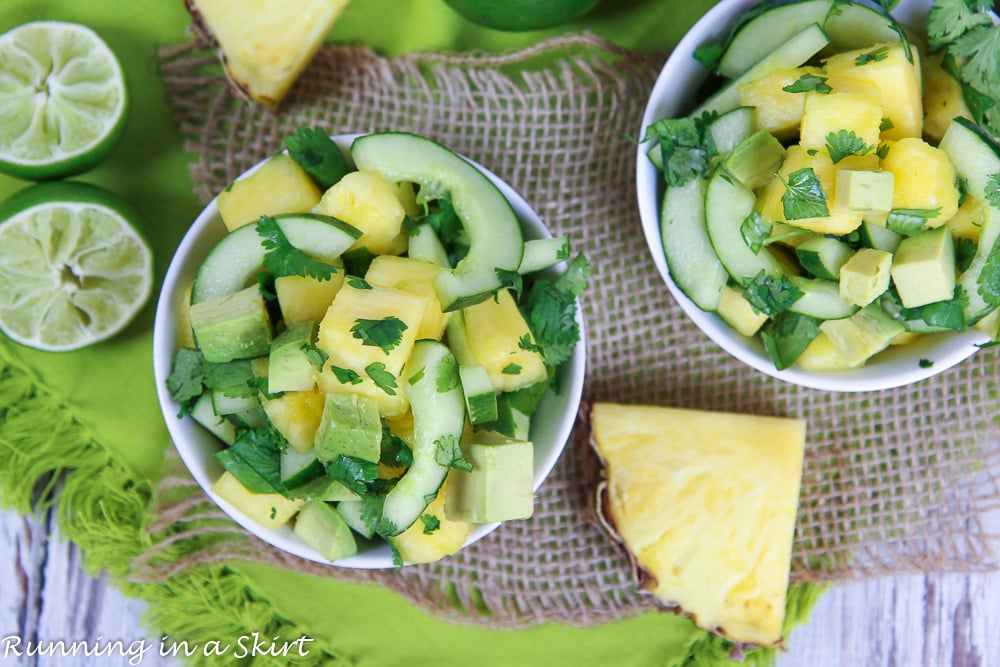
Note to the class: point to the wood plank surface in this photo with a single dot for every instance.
(904, 621)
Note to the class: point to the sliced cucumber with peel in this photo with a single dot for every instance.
(494, 231)
(691, 259)
(727, 205)
(820, 299)
(728, 131)
(766, 31)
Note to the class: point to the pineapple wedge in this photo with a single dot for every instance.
(265, 45)
(705, 505)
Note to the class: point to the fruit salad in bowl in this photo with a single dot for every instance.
(369, 350)
(819, 184)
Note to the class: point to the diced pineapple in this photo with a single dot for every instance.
(899, 80)
(705, 503)
(738, 313)
(303, 298)
(367, 201)
(296, 415)
(419, 544)
(185, 334)
(408, 198)
(968, 220)
(341, 336)
(263, 45)
(496, 330)
(271, 510)
(413, 276)
(280, 185)
(822, 355)
(924, 178)
(943, 99)
(778, 111)
(852, 106)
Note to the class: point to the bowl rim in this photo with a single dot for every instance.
(191, 440)
(894, 367)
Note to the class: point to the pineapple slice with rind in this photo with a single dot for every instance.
(265, 45)
(705, 505)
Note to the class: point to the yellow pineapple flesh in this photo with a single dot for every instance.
(278, 186)
(304, 298)
(705, 504)
(265, 45)
(427, 543)
(296, 415)
(413, 276)
(364, 199)
(496, 330)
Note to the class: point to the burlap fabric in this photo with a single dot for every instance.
(896, 481)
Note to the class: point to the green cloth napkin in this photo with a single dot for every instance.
(94, 412)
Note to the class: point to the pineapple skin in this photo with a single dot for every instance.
(705, 505)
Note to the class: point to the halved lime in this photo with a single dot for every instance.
(62, 99)
(75, 268)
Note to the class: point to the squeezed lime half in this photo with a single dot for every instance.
(63, 100)
(75, 267)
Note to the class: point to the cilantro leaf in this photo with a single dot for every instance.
(185, 382)
(809, 83)
(448, 377)
(550, 310)
(284, 259)
(385, 333)
(842, 143)
(949, 19)
(354, 473)
(980, 47)
(395, 451)
(358, 283)
(965, 250)
(315, 356)
(755, 231)
(804, 196)
(910, 221)
(511, 369)
(525, 343)
(770, 295)
(382, 378)
(431, 523)
(346, 375)
(948, 314)
(989, 279)
(448, 453)
(255, 460)
(371, 510)
(318, 155)
(685, 148)
(512, 280)
(873, 56)
(234, 379)
(993, 190)
(709, 55)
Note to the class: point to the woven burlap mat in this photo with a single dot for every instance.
(895, 481)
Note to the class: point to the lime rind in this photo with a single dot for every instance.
(72, 273)
(63, 93)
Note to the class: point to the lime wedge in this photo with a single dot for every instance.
(75, 268)
(62, 97)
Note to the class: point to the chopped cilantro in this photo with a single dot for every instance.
(842, 143)
(315, 356)
(755, 231)
(346, 375)
(882, 151)
(993, 190)
(809, 83)
(284, 259)
(978, 51)
(416, 377)
(382, 378)
(965, 250)
(431, 523)
(358, 283)
(448, 377)
(949, 19)
(770, 295)
(709, 55)
(886, 124)
(395, 452)
(448, 453)
(318, 155)
(186, 380)
(371, 510)
(550, 310)
(526, 343)
(925, 363)
(989, 279)
(873, 56)
(511, 369)
(948, 314)
(511, 279)
(274, 513)
(385, 333)
(686, 148)
(255, 460)
(354, 473)
(909, 221)
(804, 196)
(234, 379)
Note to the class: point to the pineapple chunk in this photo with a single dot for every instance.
(367, 201)
(340, 337)
(853, 106)
(296, 415)
(968, 220)
(899, 81)
(185, 334)
(416, 546)
(271, 510)
(924, 178)
(278, 186)
(705, 504)
(265, 45)
(822, 355)
(496, 328)
(304, 299)
(413, 276)
(778, 111)
(943, 99)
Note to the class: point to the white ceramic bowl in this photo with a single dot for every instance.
(673, 95)
(550, 427)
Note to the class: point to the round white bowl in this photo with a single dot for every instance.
(673, 95)
(550, 428)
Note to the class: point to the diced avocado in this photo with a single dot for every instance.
(321, 527)
(787, 335)
(864, 191)
(351, 426)
(823, 256)
(288, 367)
(270, 510)
(322, 487)
(738, 313)
(232, 388)
(865, 276)
(234, 326)
(878, 236)
(499, 487)
(756, 160)
(923, 268)
(480, 398)
(203, 413)
(351, 511)
(862, 335)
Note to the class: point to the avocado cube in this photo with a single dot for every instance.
(738, 313)
(864, 191)
(499, 487)
(756, 160)
(288, 366)
(863, 334)
(865, 276)
(234, 326)
(923, 268)
(321, 527)
(351, 426)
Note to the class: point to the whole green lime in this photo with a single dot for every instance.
(520, 15)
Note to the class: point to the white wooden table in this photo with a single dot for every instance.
(904, 621)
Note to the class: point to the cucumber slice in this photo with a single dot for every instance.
(822, 256)
(480, 397)
(794, 52)
(854, 25)
(351, 511)
(229, 405)
(768, 30)
(820, 299)
(236, 259)
(435, 393)
(728, 131)
(878, 237)
(494, 231)
(297, 468)
(690, 256)
(424, 244)
(540, 254)
(893, 307)
(727, 205)
(203, 413)
(976, 156)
